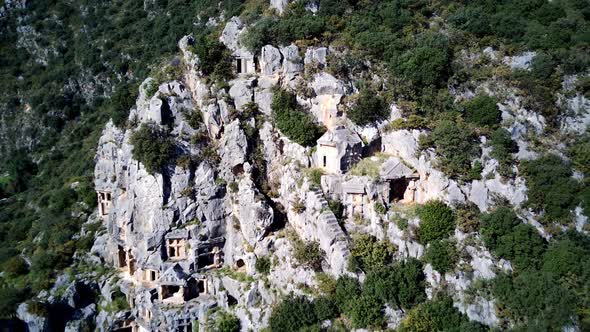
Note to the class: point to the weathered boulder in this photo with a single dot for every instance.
(241, 92)
(233, 147)
(279, 5)
(34, 323)
(255, 216)
(270, 60)
(316, 54)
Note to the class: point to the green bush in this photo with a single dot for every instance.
(551, 187)
(227, 322)
(346, 292)
(215, 59)
(436, 315)
(292, 314)
(483, 111)
(467, 217)
(502, 149)
(542, 66)
(337, 208)
(10, 297)
(371, 253)
(580, 154)
(380, 208)
(309, 254)
(16, 266)
(194, 118)
(366, 311)
(506, 236)
(534, 296)
(456, 144)
(324, 308)
(437, 221)
(263, 265)
(292, 120)
(152, 147)
(401, 285)
(368, 108)
(427, 64)
(442, 255)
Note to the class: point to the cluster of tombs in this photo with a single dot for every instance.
(338, 150)
(175, 274)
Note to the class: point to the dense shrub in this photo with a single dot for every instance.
(551, 187)
(533, 295)
(292, 121)
(506, 236)
(263, 265)
(346, 292)
(227, 323)
(428, 63)
(502, 149)
(292, 314)
(467, 217)
(10, 297)
(483, 111)
(370, 253)
(542, 66)
(442, 255)
(309, 254)
(401, 284)
(435, 315)
(568, 254)
(16, 266)
(368, 108)
(366, 311)
(324, 308)
(214, 58)
(437, 221)
(456, 145)
(152, 147)
(580, 154)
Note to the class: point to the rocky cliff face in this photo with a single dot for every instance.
(187, 242)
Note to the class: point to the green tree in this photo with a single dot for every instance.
(324, 308)
(152, 147)
(436, 315)
(401, 284)
(506, 236)
(533, 295)
(10, 297)
(292, 314)
(227, 322)
(483, 111)
(368, 108)
(543, 66)
(366, 311)
(16, 266)
(309, 254)
(442, 255)
(347, 290)
(371, 253)
(502, 149)
(427, 64)
(437, 221)
(551, 187)
(456, 144)
(292, 121)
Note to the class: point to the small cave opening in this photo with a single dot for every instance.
(397, 188)
(231, 301)
(169, 291)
